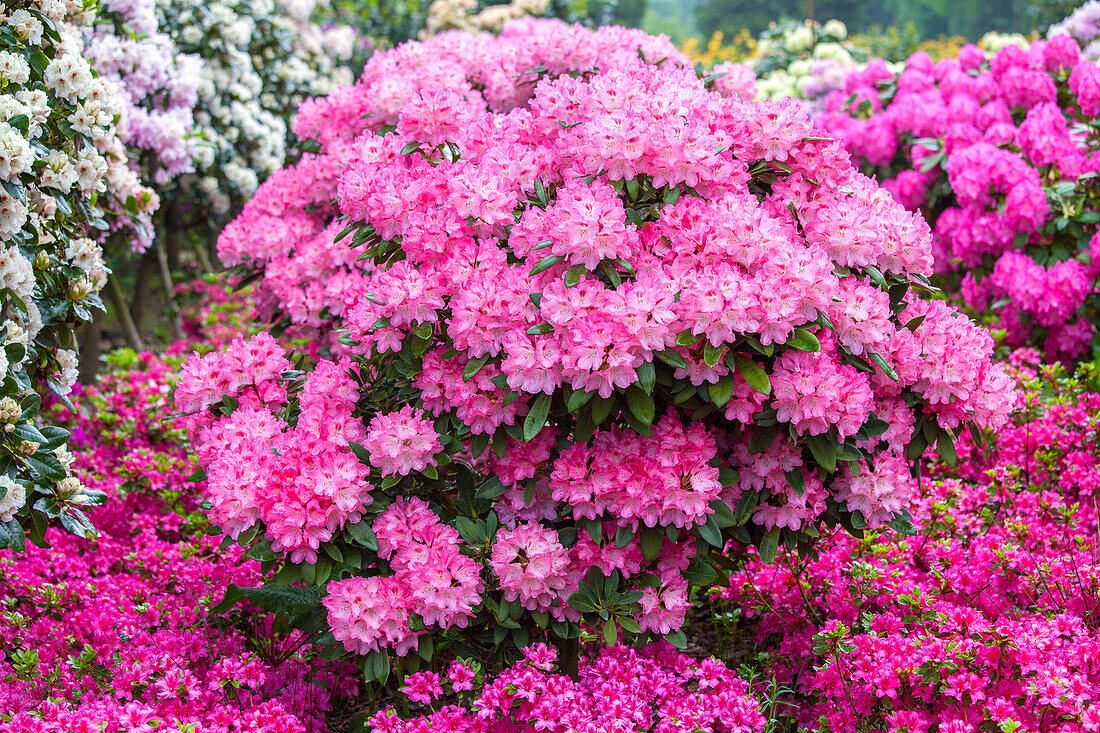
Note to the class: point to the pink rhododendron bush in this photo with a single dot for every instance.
(1000, 156)
(985, 619)
(618, 689)
(587, 332)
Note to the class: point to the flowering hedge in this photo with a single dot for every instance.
(117, 634)
(986, 618)
(617, 689)
(583, 343)
(65, 178)
(999, 155)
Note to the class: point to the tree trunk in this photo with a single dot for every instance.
(143, 287)
(123, 314)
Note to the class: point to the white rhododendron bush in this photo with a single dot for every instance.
(583, 322)
(64, 185)
(259, 59)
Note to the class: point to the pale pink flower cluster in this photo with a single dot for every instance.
(814, 392)
(432, 579)
(400, 442)
(257, 363)
(531, 565)
(664, 480)
(302, 481)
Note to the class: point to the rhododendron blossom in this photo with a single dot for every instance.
(590, 327)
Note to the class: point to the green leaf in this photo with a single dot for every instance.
(823, 452)
(574, 274)
(473, 367)
(12, 536)
(673, 358)
(580, 602)
(686, 338)
(769, 546)
(15, 190)
(578, 398)
(540, 329)
(762, 437)
(623, 536)
(876, 276)
(712, 354)
(886, 368)
(45, 466)
(362, 534)
(545, 264)
(647, 377)
(491, 489)
(360, 452)
(711, 532)
(722, 390)
(410, 148)
(803, 340)
(610, 632)
(797, 480)
(232, 596)
(913, 323)
(291, 600)
(945, 446)
(651, 542)
(641, 404)
(723, 515)
(536, 417)
(753, 374)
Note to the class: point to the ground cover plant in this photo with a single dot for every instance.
(114, 633)
(984, 618)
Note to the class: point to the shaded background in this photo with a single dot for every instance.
(925, 18)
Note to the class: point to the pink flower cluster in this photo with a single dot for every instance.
(303, 481)
(631, 302)
(665, 479)
(432, 579)
(986, 617)
(620, 689)
(999, 156)
(400, 442)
